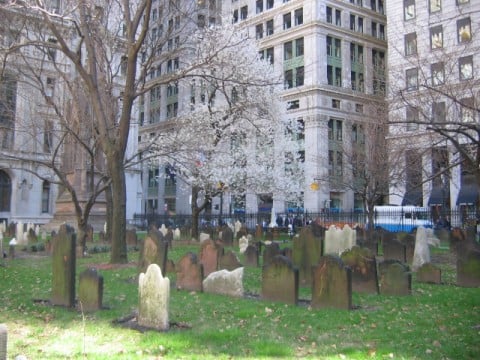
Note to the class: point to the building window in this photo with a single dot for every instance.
(5, 191)
(259, 6)
(235, 16)
(461, 2)
(356, 23)
(288, 50)
(411, 117)
(436, 37)
(435, 5)
(467, 109)
(335, 103)
(466, 67)
(438, 73)
(464, 30)
(411, 76)
(334, 75)
(267, 54)
(294, 104)
(298, 15)
(172, 110)
(269, 27)
(438, 112)
(51, 50)
(357, 81)
(329, 15)
(411, 44)
(288, 74)
(374, 29)
(243, 12)
(45, 197)
(335, 130)
(334, 47)
(359, 108)
(299, 48)
(338, 17)
(269, 4)
(287, 21)
(299, 76)
(356, 53)
(259, 31)
(409, 9)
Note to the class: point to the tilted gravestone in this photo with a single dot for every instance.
(395, 278)
(225, 282)
(189, 273)
(209, 254)
(90, 290)
(306, 252)
(251, 256)
(332, 284)
(63, 267)
(153, 251)
(363, 264)
(228, 261)
(271, 250)
(280, 281)
(153, 299)
(429, 273)
(394, 250)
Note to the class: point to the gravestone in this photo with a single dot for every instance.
(429, 273)
(271, 250)
(153, 299)
(242, 244)
(258, 232)
(251, 256)
(63, 267)
(153, 251)
(332, 284)
(280, 281)
(468, 268)
(177, 234)
(409, 241)
(394, 250)
(31, 236)
(228, 261)
(168, 237)
(204, 237)
(395, 278)
(306, 252)
(225, 282)
(170, 266)
(227, 235)
(189, 273)
(423, 239)
(3, 341)
(89, 234)
(338, 240)
(209, 254)
(363, 264)
(90, 290)
(131, 236)
(318, 229)
(163, 229)
(241, 232)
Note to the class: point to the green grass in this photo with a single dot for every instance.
(435, 322)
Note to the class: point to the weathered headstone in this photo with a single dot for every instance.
(429, 273)
(332, 284)
(209, 254)
(227, 235)
(271, 250)
(204, 237)
(163, 229)
(225, 282)
(90, 290)
(242, 244)
(3, 341)
(132, 239)
(153, 251)
(394, 250)
(363, 264)
(423, 238)
(177, 234)
(154, 296)
(395, 278)
(280, 281)
(338, 240)
(251, 256)
(306, 252)
(258, 232)
(228, 261)
(63, 267)
(409, 241)
(31, 236)
(468, 269)
(189, 273)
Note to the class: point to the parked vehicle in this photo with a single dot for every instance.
(401, 218)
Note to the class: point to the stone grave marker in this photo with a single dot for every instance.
(132, 239)
(468, 268)
(280, 281)
(177, 234)
(228, 261)
(395, 278)
(227, 235)
(258, 232)
(170, 267)
(409, 241)
(306, 252)
(153, 251)
(242, 244)
(242, 231)
(363, 264)
(423, 239)
(271, 250)
(90, 290)
(209, 255)
(225, 282)
(204, 237)
(31, 236)
(189, 273)
(251, 256)
(394, 250)
(163, 229)
(3, 341)
(429, 273)
(168, 237)
(332, 284)
(154, 296)
(338, 240)
(63, 267)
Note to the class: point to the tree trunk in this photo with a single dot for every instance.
(118, 209)
(195, 212)
(82, 236)
(109, 216)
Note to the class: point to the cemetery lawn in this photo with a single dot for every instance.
(435, 322)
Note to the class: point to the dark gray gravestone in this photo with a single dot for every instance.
(258, 232)
(468, 268)
(251, 256)
(228, 261)
(395, 278)
(189, 273)
(209, 254)
(227, 235)
(169, 237)
(90, 290)
(306, 252)
(270, 252)
(394, 250)
(332, 284)
(3, 341)
(132, 239)
(363, 264)
(63, 267)
(153, 251)
(429, 273)
(409, 241)
(280, 281)
(32, 236)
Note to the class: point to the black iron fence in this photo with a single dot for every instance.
(407, 219)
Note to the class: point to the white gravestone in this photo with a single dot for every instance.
(421, 254)
(225, 282)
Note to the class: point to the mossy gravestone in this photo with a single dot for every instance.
(364, 269)
(429, 273)
(63, 267)
(189, 273)
(154, 296)
(209, 254)
(307, 250)
(154, 251)
(468, 269)
(280, 281)
(395, 278)
(251, 256)
(90, 290)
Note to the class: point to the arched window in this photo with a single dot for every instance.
(45, 197)
(5, 191)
